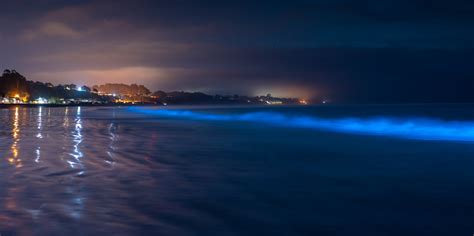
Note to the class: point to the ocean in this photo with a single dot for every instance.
(237, 170)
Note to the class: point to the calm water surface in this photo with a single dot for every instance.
(98, 170)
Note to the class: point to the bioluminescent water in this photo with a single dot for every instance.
(413, 128)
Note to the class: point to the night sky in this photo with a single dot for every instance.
(344, 50)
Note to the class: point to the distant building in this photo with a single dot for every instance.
(274, 102)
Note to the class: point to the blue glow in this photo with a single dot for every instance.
(413, 128)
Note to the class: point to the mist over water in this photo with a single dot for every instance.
(365, 170)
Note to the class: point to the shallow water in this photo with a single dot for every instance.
(123, 171)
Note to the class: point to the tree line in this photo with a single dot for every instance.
(13, 84)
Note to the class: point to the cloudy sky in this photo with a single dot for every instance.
(347, 50)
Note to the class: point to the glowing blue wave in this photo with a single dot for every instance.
(417, 128)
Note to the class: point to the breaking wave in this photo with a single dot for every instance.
(413, 128)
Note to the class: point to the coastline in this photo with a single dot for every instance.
(73, 105)
(149, 104)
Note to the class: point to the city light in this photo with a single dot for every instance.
(303, 102)
(40, 101)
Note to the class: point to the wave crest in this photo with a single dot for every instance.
(413, 128)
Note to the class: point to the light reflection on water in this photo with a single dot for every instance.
(60, 160)
(113, 138)
(15, 159)
(39, 135)
(66, 117)
(77, 140)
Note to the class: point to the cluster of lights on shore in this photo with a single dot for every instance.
(19, 99)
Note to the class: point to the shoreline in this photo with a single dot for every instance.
(3, 106)
(73, 105)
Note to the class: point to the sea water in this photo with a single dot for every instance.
(301, 170)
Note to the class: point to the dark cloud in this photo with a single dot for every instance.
(371, 51)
